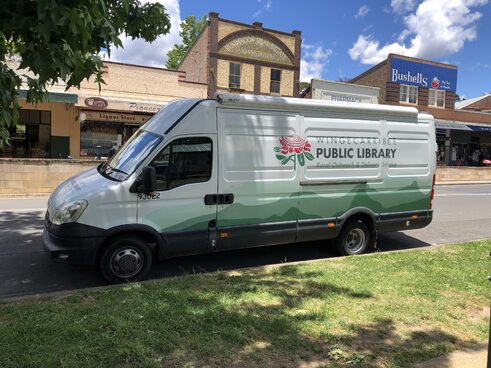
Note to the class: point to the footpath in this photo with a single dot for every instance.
(475, 357)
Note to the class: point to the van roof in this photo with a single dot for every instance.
(309, 104)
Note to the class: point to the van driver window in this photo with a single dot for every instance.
(183, 161)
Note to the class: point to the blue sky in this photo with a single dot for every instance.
(345, 38)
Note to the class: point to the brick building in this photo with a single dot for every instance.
(463, 136)
(88, 122)
(235, 57)
(481, 103)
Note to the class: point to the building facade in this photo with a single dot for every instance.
(235, 57)
(87, 122)
(463, 136)
(481, 103)
(338, 91)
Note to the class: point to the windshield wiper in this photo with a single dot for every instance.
(116, 170)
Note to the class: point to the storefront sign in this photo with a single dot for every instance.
(253, 47)
(119, 105)
(480, 128)
(423, 75)
(461, 126)
(137, 106)
(96, 102)
(116, 117)
(329, 96)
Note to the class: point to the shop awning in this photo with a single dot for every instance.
(54, 97)
(454, 125)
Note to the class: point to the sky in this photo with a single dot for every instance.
(342, 39)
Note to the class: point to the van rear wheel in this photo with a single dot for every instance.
(125, 259)
(355, 238)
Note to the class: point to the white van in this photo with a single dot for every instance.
(244, 171)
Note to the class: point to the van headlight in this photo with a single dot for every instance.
(69, 212)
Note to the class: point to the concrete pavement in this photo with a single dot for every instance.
(473, 357)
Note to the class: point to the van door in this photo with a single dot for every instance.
(345, 172)
(258, 184)
(186, 177)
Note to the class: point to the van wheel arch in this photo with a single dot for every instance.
(153, 241)
(368, 220)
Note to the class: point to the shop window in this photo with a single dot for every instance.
(234, 76)
(183, 161)
(100, 138)
(436, 98)
(274, 85)
(408, 94)
(31, 135)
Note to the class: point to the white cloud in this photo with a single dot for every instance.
(265, 6)
(437, 28)
(314, 60)
(152, 54)
(402, 6)
(362, 12)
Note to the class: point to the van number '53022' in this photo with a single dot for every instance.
(149, 196)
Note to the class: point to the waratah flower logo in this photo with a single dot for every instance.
(293, 148)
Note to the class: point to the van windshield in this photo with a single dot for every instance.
(127, 160)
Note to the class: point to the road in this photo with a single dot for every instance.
(462, 213)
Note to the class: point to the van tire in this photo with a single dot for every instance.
(355, 238)
(125, 259)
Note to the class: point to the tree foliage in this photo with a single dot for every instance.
(190, 30)
(60, 40)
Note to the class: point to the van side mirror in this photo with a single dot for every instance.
(146, 181)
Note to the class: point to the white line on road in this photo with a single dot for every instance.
(462, 194)
(22, 210)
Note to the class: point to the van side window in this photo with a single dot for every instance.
(183, 161)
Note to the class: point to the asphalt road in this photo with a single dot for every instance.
(462, 213)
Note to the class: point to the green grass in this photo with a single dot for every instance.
(389, 310)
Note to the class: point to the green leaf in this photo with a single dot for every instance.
(286, 159)
(277, 149)
(280, 157)
(58, 42)
(301, 160)
(308, 156)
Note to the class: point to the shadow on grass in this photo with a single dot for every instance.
(288, 327)
(279, 318)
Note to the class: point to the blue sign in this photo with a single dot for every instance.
(479, 128)
(423, 75)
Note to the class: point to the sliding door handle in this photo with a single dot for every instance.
(226, 198)
(211, 199)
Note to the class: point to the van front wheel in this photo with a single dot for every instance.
(125, 259)
(354, 238)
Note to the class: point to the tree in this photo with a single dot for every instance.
(60, 40)
(343, 79)
(190, 30)
(302, 86)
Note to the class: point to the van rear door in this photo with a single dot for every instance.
(258, 181)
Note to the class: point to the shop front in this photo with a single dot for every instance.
(102, 133)
(462, 144)
(43, 130)
(106, 123)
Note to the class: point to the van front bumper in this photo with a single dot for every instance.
(76, 250)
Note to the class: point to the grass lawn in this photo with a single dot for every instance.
(387, 310)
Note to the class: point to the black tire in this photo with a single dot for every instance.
(355, 238)
(125, 259)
